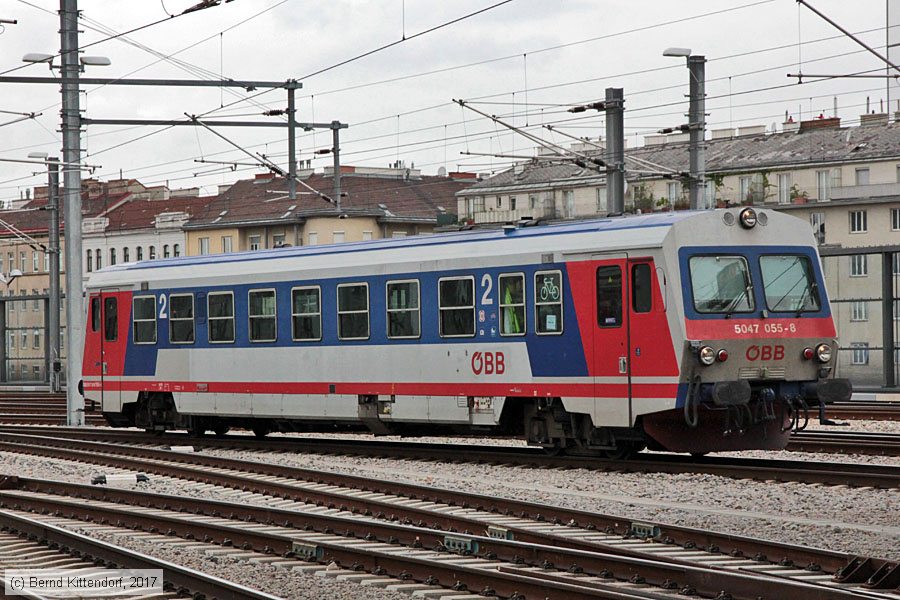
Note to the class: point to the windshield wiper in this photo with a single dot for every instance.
(732, 306)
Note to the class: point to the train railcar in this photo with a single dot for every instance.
(687, 331)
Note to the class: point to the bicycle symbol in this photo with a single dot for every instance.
(549, 291)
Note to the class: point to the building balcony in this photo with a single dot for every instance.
(874, 190)
(507, 216)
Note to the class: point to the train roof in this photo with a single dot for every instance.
(617, 233)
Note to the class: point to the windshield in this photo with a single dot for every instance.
(789, 283)
(721, 284)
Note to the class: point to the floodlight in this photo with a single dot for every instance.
(39, 155)
(37, 57)
(95, 61)
(683, 52)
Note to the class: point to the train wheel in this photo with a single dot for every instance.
(261, 430)
(556, 450)
(220, 429)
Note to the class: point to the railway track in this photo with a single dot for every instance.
(864, 410)
(525, 550)
(845, 442)
(849, 474)
(42, 408)
(27, 542)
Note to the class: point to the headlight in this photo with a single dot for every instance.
(748, 218)
(707, 355)
(823, 353)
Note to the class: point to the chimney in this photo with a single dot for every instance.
(878, 118)
(823, 123)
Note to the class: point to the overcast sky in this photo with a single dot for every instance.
(526, 60)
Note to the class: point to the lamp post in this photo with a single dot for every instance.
(70, 67)
(53, 250)
(696, 124)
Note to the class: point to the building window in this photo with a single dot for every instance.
(601, 200)
(367, 235)
(512, 304)
(817, 221)
(859, 310)
(858, 221)
(36, 339)
(895, 263)
(35, 261)
(337, 237)
(398, 234)
(532, 202)
(278, 240)
(125, 254)
(22, 262)
(176, 250)
(862, 176)
(112, 256)
(479, 204)
(99, 256)
(254, 242)
(36, 302)
(306, 314)
(220, 308)
(860, 351)
(548, 302)
(11, 258)
(745, 189)
(784, 188)
(823, 186)
(151, 253)
(403, 318)
(262, 315)
(226, 243)
(456, 302)
(166, 249)
(569, 203)
(204, 246)
(90, 261)
(24, 340)
(499, 202)
(12, 339)
(895, 219)
(673, 191)
(181, 318)
(144, 317)
(353, 311)
(512, 203)
(139, 253)
(46, 261)
(859, 265)
(313, 238)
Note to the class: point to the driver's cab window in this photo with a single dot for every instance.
(609, 296)
(95, 313)
(110, 319)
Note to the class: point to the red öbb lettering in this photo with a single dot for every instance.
(755, 353)
(488, 363)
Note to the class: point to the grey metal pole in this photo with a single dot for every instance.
(697, 124)
(615, 151)
(71, 130)
(53, 250)
(336, 152)
(887, 318)
(292, 143)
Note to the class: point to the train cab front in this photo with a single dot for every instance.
(759, 348)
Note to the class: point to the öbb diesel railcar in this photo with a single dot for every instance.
(689, 331)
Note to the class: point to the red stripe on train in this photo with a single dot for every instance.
(716, 329)
(585, 390)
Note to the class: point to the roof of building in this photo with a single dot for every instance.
(749, 153)
(264, 199)
(33, 218)
(141, 213)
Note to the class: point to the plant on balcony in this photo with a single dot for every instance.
(798, 196)
(643, 200)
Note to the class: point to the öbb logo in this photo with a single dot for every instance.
(755, 353)
(488, 363)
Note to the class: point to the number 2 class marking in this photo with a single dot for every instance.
(162, 307)
(488, 284)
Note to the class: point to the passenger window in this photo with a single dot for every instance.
(641, 288)
(220, 317)
(609, 296)
(181, 318)
(548, 302)
(144, 319)
(456, 301)
(403, 309)
(353, 311)
(110, 319)
(95, 313)
(262, 315)
(306, 312)
(512, 304)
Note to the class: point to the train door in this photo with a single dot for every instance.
(111, 333)
(611, 338)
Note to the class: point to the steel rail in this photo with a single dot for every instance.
(873, 411)
(669, 574)
(182, 578)
(849, 474)
(205, 469)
